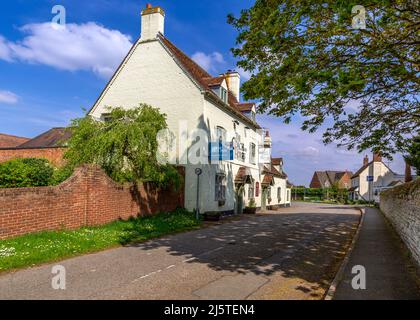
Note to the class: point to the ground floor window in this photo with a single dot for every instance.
(251, 191)
(220, 187)
(279, 193)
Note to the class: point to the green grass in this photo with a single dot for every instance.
(50, 246)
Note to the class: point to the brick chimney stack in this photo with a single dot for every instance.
(377, 157)
(365, 160)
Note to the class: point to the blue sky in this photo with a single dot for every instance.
(47, 77)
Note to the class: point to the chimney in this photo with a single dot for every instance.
(267, 139)
(152, 22)
(377, 157)
(408, 176)
(233, 80)
(365, 160)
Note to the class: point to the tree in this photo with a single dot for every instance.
(125, 145)
(306, 57)
(413, 154)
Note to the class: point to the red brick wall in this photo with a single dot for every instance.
(88, 197)
(54, 155)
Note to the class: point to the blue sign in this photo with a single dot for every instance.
(220, 151)
(369, 178)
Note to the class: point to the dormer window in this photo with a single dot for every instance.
(223, 94)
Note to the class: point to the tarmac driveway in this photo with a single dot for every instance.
(292, 253)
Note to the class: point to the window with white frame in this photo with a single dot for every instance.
(220, 134)
(251, 192)
(252, 153)
(220, 187)
(223, 94)
(279, 193)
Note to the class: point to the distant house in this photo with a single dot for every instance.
(9, 141)
(327, 179)
(372, 178)
(49, 145)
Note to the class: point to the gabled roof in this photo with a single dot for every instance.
(204, 79)
(10, 141)
(200, 76)
(268, 179)
(276, 161)
(330, 176)
(55, 137)
(364, 167)
(243, 175)
(245, 106)
(273, 171)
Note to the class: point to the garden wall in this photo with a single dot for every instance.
(401, 205)
(88, 198)
(54, 155)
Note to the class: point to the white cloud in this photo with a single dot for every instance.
(5, 52)
(245, 75)
(8, 97)
(210, 62)
(88, 46)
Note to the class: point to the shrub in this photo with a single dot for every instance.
(60, 175)
(28, 172)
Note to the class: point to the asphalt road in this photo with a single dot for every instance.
(292, 253)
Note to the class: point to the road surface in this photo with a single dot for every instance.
(292, 253)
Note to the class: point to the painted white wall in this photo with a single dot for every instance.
(382, 177)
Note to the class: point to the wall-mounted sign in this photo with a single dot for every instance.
(369, 178)
(220, 151)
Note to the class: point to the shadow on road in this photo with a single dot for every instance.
(304, 245)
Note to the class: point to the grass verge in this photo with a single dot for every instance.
(42, 247)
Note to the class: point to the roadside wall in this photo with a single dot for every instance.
(88, 198)
(401, 205)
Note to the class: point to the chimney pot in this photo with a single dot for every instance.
(149, 5)
(365, 160)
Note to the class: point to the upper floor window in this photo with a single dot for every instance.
(279, 193)
(223, 94)
(220, 134)
(253, 116)
(252, 153)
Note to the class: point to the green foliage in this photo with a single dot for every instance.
(60, 175)
(318, 194)
(307, 59)
(125, 145)
(252, 204)
(48, 246)
(27, 172)
(413, 154)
